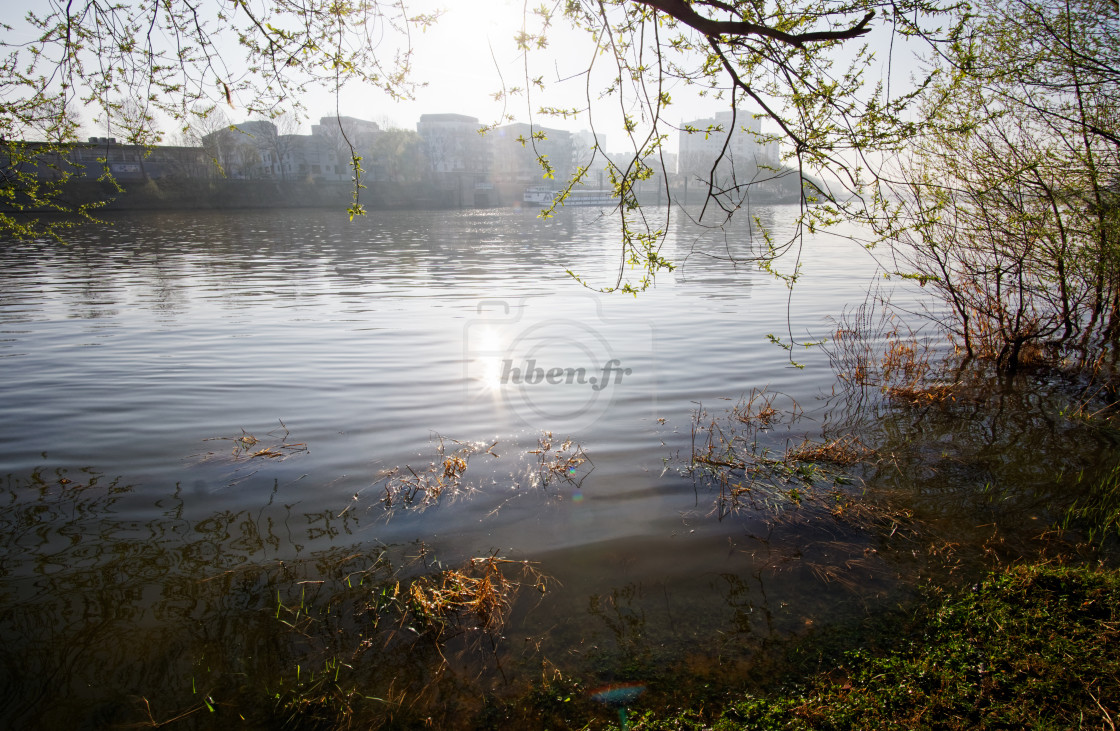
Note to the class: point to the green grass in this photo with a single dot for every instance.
(1096, 513)
(1033, 647)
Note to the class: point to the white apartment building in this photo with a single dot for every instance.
(746, 151)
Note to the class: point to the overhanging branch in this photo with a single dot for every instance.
(683, 12)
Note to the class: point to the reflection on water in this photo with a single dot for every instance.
(232, 442)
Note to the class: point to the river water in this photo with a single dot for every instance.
(186, 398)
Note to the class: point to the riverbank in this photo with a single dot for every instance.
(225, 194)
(174, 194)
(1031, 646)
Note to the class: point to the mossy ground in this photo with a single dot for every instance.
(1031, 647)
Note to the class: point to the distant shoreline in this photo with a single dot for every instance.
(227, 194)
(220, 194)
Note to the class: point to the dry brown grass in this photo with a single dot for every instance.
(558, 461)
(757, 408)
(410, 486)
(805, 483)
(477, 595)
(845, 450)
(924, 395)
(874, 348)
(275, 445)
(424, 486)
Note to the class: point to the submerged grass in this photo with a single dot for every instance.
(739, 456)
(1097, 513)
(275, 445)
(873, 348)
(846, 450)
(354, 642)
(424, 486)
(553, 460)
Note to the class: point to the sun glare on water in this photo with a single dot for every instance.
(489, 361)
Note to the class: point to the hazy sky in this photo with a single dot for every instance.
(464, 58)
(471, 51)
